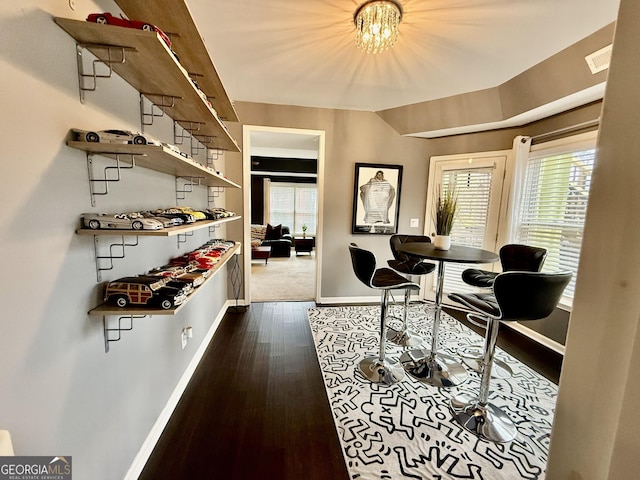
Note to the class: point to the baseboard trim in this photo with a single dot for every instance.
(154, 434)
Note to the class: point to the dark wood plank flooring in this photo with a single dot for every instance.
(256, 407)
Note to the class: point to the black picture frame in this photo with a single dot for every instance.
(376, 198)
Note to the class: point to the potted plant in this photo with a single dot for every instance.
(445, 212)
(304, 230)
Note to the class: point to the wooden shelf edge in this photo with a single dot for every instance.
(157, 158)
(165, 232)
(148, 77)
(107, 309)
(174, 17)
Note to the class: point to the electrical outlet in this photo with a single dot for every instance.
(187, 333)
(415, 223)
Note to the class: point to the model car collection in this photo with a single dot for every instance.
(168, 286)
(151, 220)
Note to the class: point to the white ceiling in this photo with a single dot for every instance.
(302, 52)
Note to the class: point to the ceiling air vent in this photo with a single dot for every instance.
(599, 60)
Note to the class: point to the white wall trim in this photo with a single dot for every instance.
(538, 337)
(153, 436)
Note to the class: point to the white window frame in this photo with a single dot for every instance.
(578, 142)
(499, 160)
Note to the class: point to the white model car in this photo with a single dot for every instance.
(113, 136)
(119, 221)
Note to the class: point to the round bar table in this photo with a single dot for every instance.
(439, 369)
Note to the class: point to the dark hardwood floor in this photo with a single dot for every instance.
(256, 406)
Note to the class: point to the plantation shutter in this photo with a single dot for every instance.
(554, 206)
(282, 198)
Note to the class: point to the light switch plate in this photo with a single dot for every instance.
(415, 223)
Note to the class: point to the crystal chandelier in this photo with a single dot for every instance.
(377, 25)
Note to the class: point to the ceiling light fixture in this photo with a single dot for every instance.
(377, 25)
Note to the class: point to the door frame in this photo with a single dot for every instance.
(501, 183)
(246, 181)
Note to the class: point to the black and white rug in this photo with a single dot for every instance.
(406, 430)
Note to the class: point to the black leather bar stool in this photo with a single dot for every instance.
(379, 369)
(516, 296)
(407, 265)
(513, 257)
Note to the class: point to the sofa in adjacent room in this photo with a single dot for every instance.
(277, 237)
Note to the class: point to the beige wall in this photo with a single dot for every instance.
(351, 136)
(559, 76)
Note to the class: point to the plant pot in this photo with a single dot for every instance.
(442, 242)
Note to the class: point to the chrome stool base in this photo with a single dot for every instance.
(486, 421)
(384, 372)
(440, 370)
(403, 338)
(472, 357)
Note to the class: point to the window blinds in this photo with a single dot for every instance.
(294, 205)
(473, 188)
(554, 206)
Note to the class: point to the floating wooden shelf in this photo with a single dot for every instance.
(163, 232)
(174, 18)
(158, 158)
(108, 309)
(152, 69)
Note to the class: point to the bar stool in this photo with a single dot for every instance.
(407, 265)
(517, 296)
(379, 369)
(513, 257)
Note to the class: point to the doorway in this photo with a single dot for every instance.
(261, 141)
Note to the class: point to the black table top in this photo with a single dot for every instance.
(456, 254)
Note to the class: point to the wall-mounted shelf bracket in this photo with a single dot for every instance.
(88, 76)
(213, 193)
(108, 338)
(196, 146)
(187, 186)
(108, 259)
(182, 237)
(213, 154)
(156, 109)
(179, 135)
(105, 179)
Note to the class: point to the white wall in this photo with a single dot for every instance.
(60, 393)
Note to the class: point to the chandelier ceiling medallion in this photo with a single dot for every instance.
(377, 25)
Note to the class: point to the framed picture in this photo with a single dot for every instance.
(376, 198)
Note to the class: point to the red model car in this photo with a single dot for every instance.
(108, 19)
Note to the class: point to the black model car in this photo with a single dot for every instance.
(175, 213)
(148, 291)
